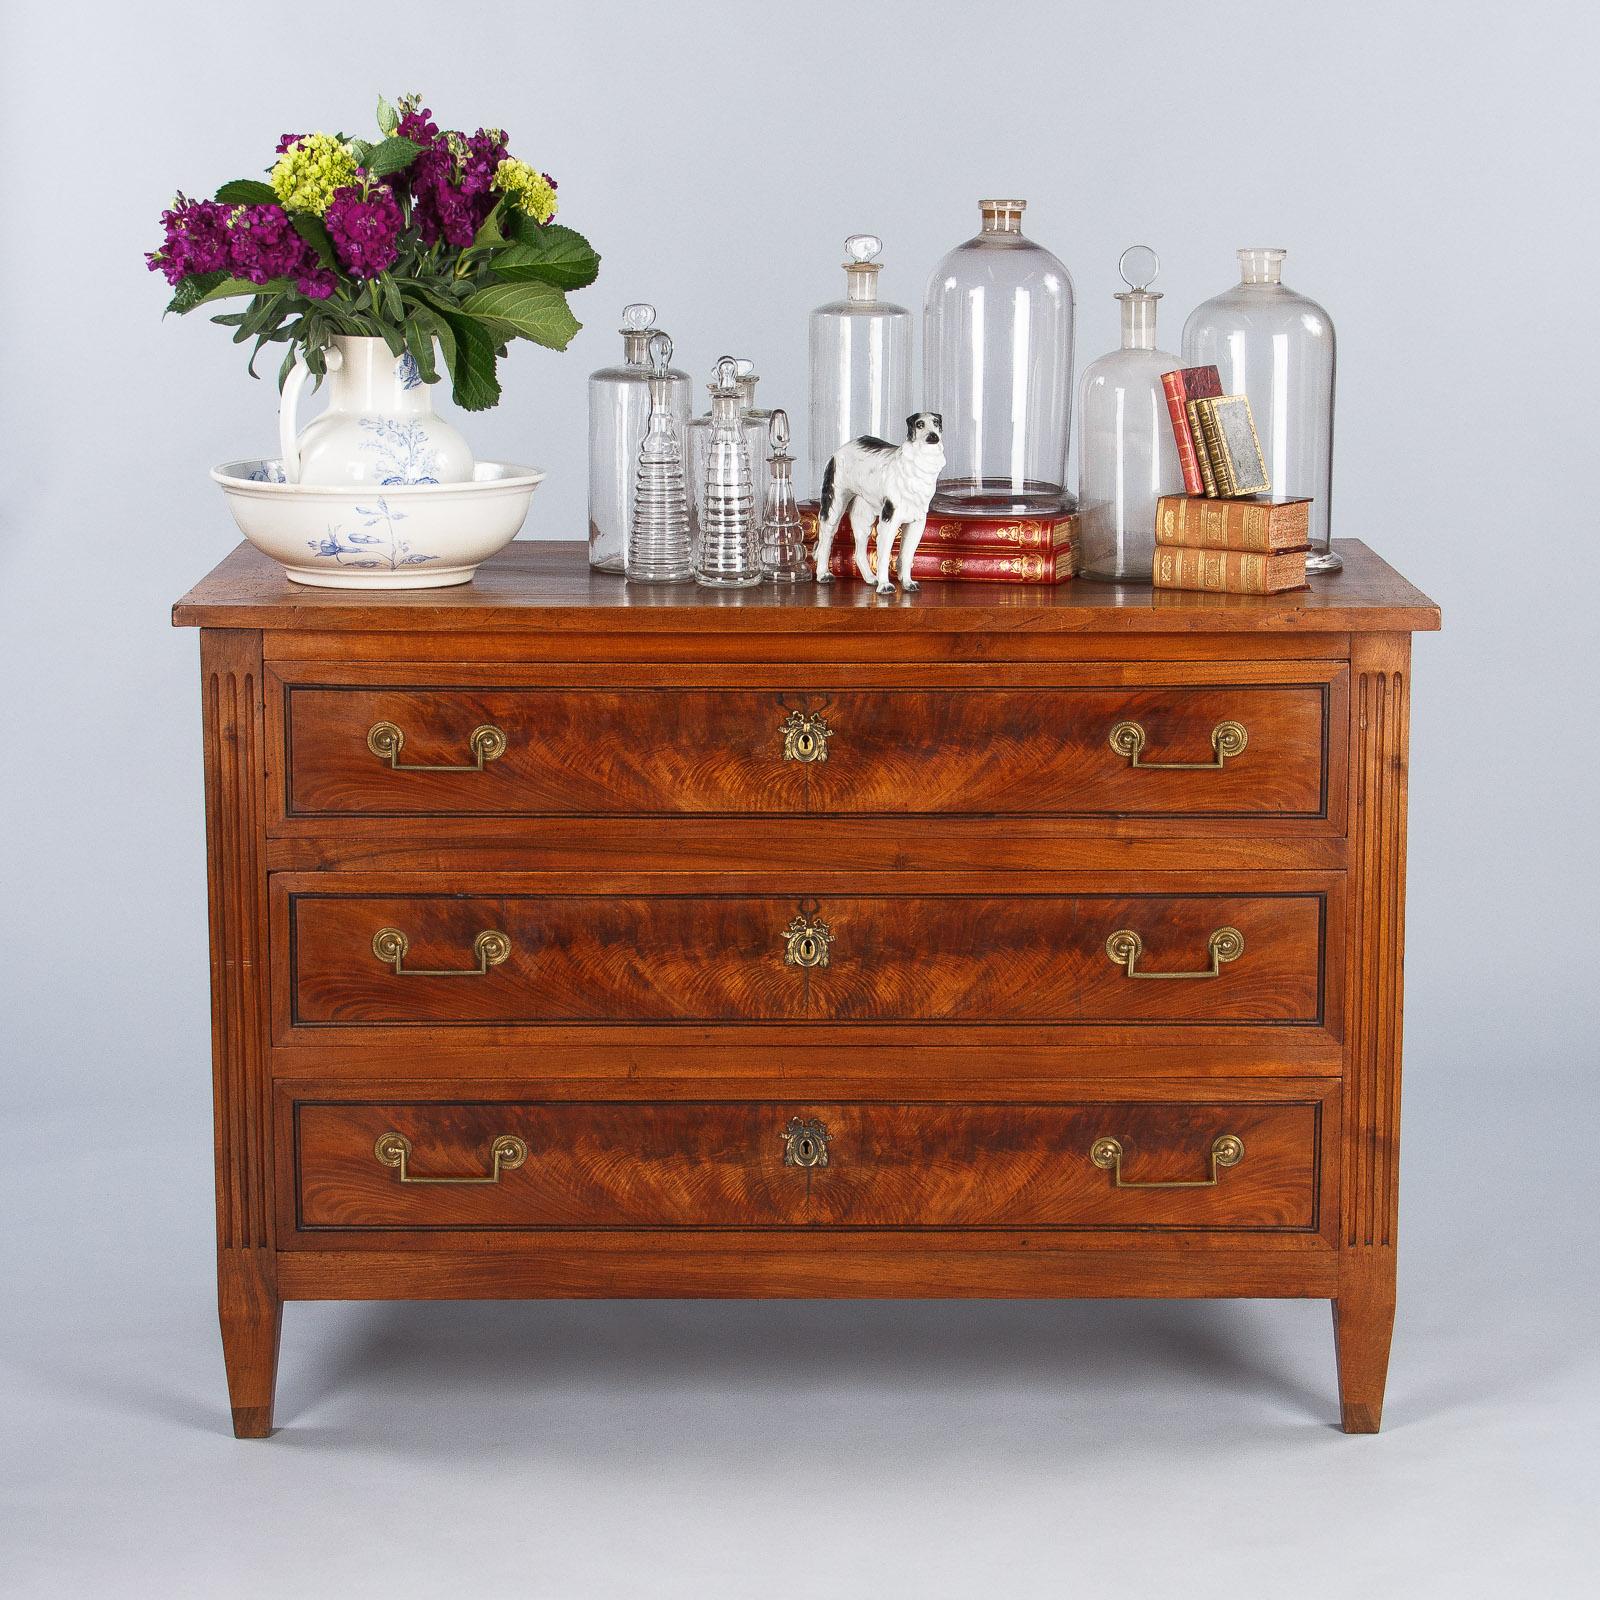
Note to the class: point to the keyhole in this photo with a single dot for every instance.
(807, 1151)
(806, 745)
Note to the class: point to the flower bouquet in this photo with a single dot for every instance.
(421, 238)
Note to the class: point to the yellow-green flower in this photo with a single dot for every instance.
(529, 190)
(308, 172)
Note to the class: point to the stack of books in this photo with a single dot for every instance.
(1255, 546)
(968, 548)
(1216, 435)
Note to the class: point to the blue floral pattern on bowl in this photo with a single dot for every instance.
(382, 551)
(404, 451)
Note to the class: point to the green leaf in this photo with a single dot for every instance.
(192, 291)
(231, 288)
(315, 233)
(388, 117)
(393, 155)
(470, 356)
(360, 150)
(419, 341)
(247, 192)
(565, 260)
(537, 311)
(489, 230)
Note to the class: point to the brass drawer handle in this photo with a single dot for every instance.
(389, 945)
(805, 1144)
(806, 941)
(1125, 947)
(1227, 739)
(394, 1150)
(486, 742)
(805, 736)
(1227, 1150)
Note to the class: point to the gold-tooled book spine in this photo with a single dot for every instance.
(1233, 524)
(1201, 454)
(1217, 450)
(1228, 571)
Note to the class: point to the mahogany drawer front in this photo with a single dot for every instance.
(631, 1165)
(374, 959)
(1214, 749)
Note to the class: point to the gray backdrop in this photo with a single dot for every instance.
(1430, 169)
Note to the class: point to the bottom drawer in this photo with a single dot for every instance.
(522, 1164)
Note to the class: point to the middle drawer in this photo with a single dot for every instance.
(366, 952)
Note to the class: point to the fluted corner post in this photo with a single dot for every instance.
(1363, 1312)
(247, 1296)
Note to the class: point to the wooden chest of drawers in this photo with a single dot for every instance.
(577, 939)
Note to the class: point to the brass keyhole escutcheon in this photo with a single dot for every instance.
(805, 736)
(806, 942)
(805, 1143)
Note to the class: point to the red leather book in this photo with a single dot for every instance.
(967, 532)
(1039, 568)
(1182, 386)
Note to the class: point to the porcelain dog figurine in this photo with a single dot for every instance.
(871, 478)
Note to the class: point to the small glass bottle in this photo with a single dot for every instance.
(1127, 458)
(783, 551)
(998, 325)
(727, 557)
(860, 362)
(1277, 347)
(660, 549)
(697, 437)
(619, 409)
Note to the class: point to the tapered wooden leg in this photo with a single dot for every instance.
(251, 1316)
(1363, 1320)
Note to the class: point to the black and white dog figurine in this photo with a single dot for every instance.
(893, 483)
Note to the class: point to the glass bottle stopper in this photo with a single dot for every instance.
(862, 267)
(1138, 267)
(637, 322)
(747, 378)
(778, 438)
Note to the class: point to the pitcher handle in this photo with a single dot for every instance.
(289, 408)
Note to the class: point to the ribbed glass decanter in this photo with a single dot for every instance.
(1127, 458)
(998, 326)
(697, 436)
(727, 556)
(1277, 347)
(659, 542)
(619, 410)
(783, 551)
(860, 362)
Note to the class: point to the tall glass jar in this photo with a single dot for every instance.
(1127, 458)
(697, 437)
(619, 414)
(1277, 347)
(998, 325)
(860, 362)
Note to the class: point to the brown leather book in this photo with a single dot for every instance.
(972, 566)
(964, 533)
(1262, 525)
(1228, 571)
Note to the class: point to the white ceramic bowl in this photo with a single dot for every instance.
(396, 536)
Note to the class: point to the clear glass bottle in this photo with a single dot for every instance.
(727, 556)
(660, 549)
(998, 325)
(783, 551)
(619, 410)
(859, 371)
(698, 435)
(1126, 455)
(1277, 346)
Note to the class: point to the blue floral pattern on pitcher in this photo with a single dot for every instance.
(405, 452)
(406, 371)
(385, 550)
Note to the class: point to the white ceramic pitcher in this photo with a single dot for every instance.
(379, 427)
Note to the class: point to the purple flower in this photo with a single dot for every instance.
(262, 244)
(418, 126)
(314, 282)
(286, 140)
(365, 229)
(197, 239)
(452, 184)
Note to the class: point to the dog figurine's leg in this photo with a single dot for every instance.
(861, 519)
(829, 514)
(910, 538)
(886, 554)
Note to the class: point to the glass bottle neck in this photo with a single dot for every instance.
(861, 282)
(636, 345)
(1261, 266)
(1138, 320)
(1002, 216)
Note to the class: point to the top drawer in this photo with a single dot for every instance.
(1214, 748)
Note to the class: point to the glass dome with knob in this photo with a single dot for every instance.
(998, 325)
(860, 361)
(619, 413)
(1277, 347)
(1127, 458)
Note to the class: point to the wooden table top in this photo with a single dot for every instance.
(548, 586)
